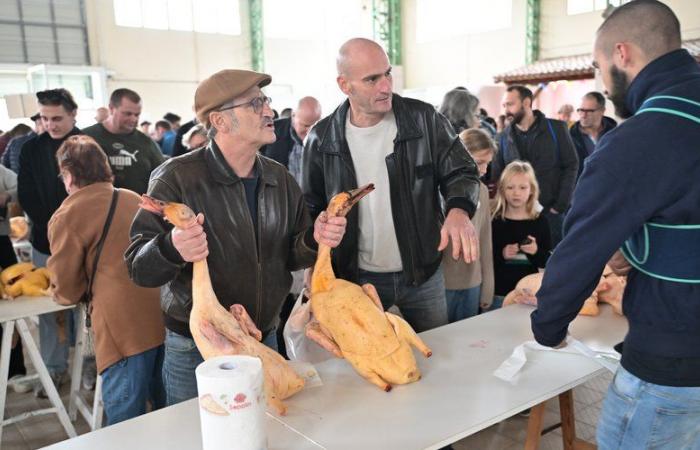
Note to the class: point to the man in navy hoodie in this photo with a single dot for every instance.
(640, 182)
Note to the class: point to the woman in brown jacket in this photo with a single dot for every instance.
(126, 318)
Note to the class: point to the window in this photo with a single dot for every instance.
(43, 31)
(443, 19)
(585, 6)
(202, 16)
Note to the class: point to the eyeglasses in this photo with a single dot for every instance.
(587, 111)
(258, 103)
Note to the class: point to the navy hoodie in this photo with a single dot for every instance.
(645, 170)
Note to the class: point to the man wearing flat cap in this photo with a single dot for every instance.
(253, 229)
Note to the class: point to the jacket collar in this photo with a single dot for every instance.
(406, 126)
(662, 73)
(608, 124)
(224, 174)
(89, 191)
(536, 126)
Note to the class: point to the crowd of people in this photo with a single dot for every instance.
(430, 238)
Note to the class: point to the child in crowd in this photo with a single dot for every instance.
(468, 286)
(521, 238)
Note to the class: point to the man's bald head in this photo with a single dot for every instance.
(354, 51)
(306, 114)
(648, 24)
(309, 105)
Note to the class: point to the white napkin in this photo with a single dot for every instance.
(508, 370)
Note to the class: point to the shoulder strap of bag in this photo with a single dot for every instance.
(100, 244)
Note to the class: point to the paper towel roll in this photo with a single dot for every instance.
(232, 403)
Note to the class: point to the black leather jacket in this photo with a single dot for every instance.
(428, 160)
(246, 267)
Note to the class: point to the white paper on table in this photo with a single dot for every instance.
(512, 366)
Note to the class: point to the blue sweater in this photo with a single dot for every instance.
(645, 170)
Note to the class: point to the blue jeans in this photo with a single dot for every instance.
(639, 415)
(497, 303)
(130, 382)
(462, 303)
(53, 352)
(181, 360)
(424, 307)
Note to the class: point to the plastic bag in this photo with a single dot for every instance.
(299, 347)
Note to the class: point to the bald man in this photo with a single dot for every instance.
(288, 149)
(639, 192)
(409, 151)
(101, 114)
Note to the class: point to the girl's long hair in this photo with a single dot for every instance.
(515, 168)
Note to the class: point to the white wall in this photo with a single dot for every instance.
(563, 35)
(163, 66)
(303, 61)
(432, 68)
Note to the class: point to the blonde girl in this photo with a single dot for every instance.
(469, 286)
(521, 237)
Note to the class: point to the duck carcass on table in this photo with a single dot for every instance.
(218, 332)
(351, 321)
(609, 290)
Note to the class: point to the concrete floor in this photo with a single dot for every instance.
(38, 432)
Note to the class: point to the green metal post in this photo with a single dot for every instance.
(532, 31)
(257, 49)
(386, 27)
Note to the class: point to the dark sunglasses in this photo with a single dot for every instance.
(258, 103)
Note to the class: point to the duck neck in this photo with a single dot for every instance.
(202, 290)
(323, 274)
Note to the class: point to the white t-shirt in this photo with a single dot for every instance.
(377, 244)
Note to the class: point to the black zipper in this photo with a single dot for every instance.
(258, 273)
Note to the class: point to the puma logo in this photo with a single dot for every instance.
(123, 152)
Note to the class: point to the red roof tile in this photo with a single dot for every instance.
(566, 68)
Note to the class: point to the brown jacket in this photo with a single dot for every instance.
(126, 318)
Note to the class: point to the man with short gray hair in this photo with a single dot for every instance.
(253, 228)
(591, 126)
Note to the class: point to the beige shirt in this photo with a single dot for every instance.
(458, 274)
(377, 244)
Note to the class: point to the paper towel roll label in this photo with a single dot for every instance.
(207, 403)
(226, 403)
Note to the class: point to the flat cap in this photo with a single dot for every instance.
(223, 87)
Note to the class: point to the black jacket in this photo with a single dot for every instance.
(280, 149)
(253, 270)
(555, 161)
(428, 160)
(578, 137)
(178, 148)
(39, 189)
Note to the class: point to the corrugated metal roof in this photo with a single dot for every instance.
(567, 68)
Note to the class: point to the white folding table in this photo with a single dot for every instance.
(14, 313)
(457, 396)
(174, 428)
